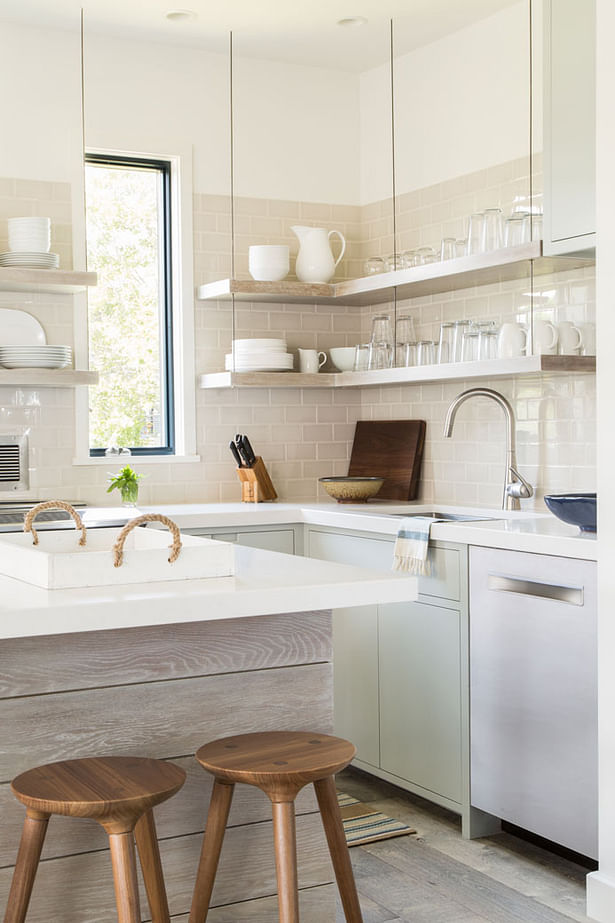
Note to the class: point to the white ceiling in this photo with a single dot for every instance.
(303, 31)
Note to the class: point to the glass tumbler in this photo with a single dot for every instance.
(361, 357)
(425, 352)
(517, 229)
(487, 344)
(373, 265)
(475, 233)
(382, 330)
(448, 248)
(408, 259)
(394, 261)
(405, 329)
(406, 354)
(380, 356)
(445, 343)
(461, 247)
(469, 347)
(460, 327)
(425, 255)
(493, 230)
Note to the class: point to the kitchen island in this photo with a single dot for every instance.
(156, 670)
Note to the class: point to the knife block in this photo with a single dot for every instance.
(256, 485)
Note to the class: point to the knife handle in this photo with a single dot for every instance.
(235, 454)
(249, 451)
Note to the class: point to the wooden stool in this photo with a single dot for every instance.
(280, 763)
(119, 792)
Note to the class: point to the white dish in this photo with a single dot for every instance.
(259, 344)
(342, 357)
(274, 362)
(35, 363)
(18, 328)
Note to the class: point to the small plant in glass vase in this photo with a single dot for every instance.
(127, 482)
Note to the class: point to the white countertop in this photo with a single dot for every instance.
(265, 582)
(527, 530)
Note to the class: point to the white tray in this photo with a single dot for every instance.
(59, 562)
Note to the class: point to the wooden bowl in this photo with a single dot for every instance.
(351, 490)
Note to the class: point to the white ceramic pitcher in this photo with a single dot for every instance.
(315, 262)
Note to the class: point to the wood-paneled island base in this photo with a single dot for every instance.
(157, 670)
(162, 692)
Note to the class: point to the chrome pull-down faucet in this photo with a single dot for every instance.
(515, 485)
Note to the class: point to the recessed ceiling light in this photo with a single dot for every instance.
(180, 15)
(352, 21)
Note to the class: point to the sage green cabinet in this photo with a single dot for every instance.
(400, 671)
(270, 539)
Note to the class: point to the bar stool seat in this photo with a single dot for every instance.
(119, 793)
(280, 763)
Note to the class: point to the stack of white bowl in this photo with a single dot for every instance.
(29, 243)
(259, 355)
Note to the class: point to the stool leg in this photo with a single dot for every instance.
(217, 816)
(149, 854)
(286, 860)
(30, 846)
(123, 860)
(340, 856)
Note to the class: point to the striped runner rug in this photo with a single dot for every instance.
(364, 825)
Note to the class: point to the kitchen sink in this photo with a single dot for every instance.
(449, 517)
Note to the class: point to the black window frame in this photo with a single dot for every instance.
(166, 345)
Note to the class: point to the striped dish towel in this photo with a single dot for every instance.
(412, 545)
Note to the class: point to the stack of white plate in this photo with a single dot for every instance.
(259, 355)
(36, 357)
(30, 259)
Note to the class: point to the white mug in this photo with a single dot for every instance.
(311, 361)
(570, 338)
(545, 338)
(512, 340)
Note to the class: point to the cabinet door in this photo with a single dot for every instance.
(355, 679)
(570, 219)
(420, 695)
(274, 540)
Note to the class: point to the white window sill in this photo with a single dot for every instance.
(136, 460)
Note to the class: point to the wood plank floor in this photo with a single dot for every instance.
(437, 877)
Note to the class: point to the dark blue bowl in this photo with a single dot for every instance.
(577, 509)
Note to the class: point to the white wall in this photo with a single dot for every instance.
(443, 92)
(40, 127)
(601, 884)
(296, 128)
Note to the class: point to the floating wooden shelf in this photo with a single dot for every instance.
(46, 378)
(449, 371)
(54, 281)
(444, 276)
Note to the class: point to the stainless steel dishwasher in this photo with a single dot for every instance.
(533, 694)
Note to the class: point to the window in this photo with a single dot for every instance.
(128, 222)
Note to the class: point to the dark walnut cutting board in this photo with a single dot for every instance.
(392, 449)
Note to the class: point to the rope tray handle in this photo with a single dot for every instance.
(118, 548)
(28, 525)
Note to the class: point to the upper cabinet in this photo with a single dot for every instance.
(569, 126)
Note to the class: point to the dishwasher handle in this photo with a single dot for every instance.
(505, 584)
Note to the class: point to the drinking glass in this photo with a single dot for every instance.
(536, 227)
(445, 343)
(393, 261)
(461, 247)
(406, 354)
(425, 352)
(448, 248)
(405, 329)
(408, 259)
(517, 229)
(382, 331)
(469, 347)
(487, 344)
(475, 233)
(459, 328)
(492, 233)
(373, 265)
(380, 356)
(361, 357)
(425, 255)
